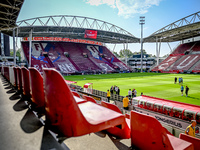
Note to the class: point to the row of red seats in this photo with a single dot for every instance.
(71, 116)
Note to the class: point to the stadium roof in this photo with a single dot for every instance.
(67, 26)
(182, 29)
(75, 26)
(9, 10)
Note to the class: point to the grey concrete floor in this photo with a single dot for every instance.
(20, 129)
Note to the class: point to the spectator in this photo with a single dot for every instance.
(129, 93)
(190, 130)
(141, 93)
(118, 91)
(108, 95)
(126, 102)
(111, 90)
(133, 93)
(186, 90)
(182, 89)
(175, 80)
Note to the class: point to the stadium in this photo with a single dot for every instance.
(57, 99)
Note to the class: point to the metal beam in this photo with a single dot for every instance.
(8, 6)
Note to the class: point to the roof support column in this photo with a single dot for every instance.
(142, 22)
(169, 47)
(158, 50)
(30, 44)
(114, 47)
(125, 53)
(14, 49)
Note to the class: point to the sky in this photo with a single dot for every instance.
(122, 13)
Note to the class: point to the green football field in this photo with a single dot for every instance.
(152, 84)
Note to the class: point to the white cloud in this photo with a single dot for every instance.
(127, 8)
(111, 3)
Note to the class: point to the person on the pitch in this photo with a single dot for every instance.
(175, 80)
(186, 90)
(126, 102)
(190, 130)
(182, 89)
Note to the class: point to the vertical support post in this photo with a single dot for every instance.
(157, 50)
(142, 21)
(169, 47)
(141, 48)
(114, 48)
(126, 51)
(30, 44)
(14, 48)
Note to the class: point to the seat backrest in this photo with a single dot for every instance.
(36, 87)
(148, 133)
(110, 106)
(88, 98)
(25, 82)
(75, 94)
(193, 140)
(15, 75)
(60, 105)
(19, 78)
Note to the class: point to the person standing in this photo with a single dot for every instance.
(179, 80)
(108, 95)
(129, 93)
(118, 91)
(190, 130)
(111, 90)
(182, 89)
(135, 93)
(175, 80)
(126, 102)
(186, 90)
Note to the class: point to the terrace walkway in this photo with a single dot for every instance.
(21, 129)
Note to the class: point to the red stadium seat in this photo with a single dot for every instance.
(69, 119)
(193, 140)
(89, 98)
(117, 132)
(15, 76)
(75, 94)
(148, 133)
(36, 88)
(19, 79)
(110, 106)
(25, 82)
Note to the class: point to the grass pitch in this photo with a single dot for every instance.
(151, 84)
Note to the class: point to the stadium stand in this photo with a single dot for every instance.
(185, 58)
(69, 57)
(165, 64)
(185, 62)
